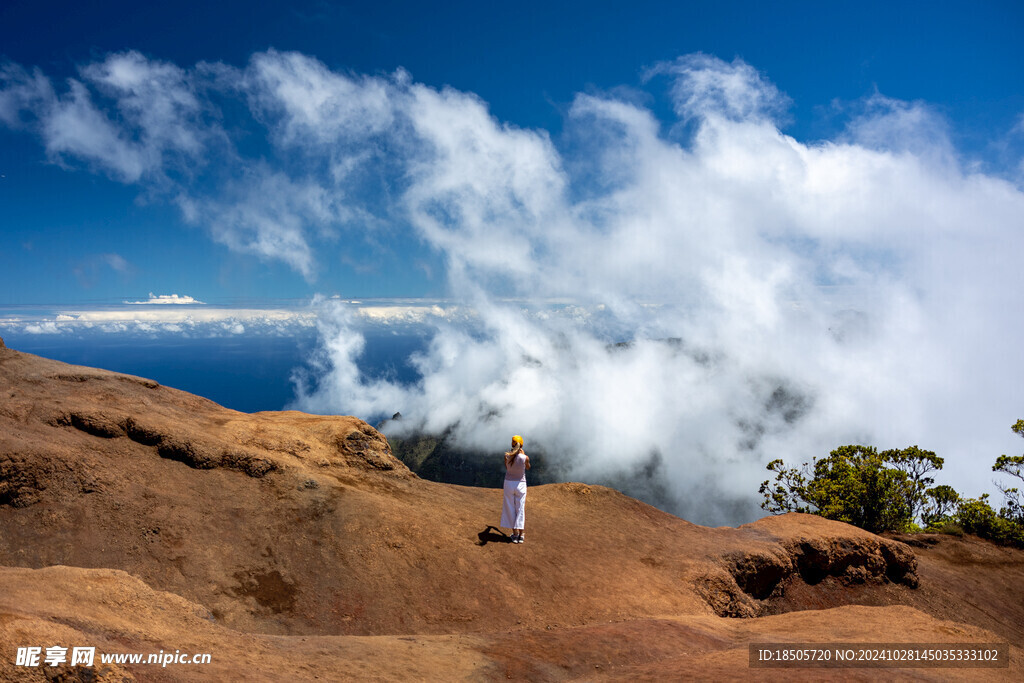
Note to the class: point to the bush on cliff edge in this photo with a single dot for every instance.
(889, 490)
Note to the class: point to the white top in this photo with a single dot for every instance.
(516, 470)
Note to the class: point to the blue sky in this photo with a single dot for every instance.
(72, 232)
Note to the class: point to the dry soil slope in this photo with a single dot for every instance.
(293, 523)
(287, 523)
(117, 613)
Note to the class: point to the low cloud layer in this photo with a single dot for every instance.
(161, 320)
(166, 299)
(734, 295)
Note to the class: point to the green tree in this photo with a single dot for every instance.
(1013, 465)
(854, 484)
(788, 493)
(916, 463)
(942, 502)
(976, 516)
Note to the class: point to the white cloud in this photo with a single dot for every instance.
(487, 194)
(166, 299)
(22, 93)
(391, 314)
(156, 123)
(704, 86)
(156, 97)
(310, 104)
(892, 125)
(270, 215)
(74, 126)
(171, 314)
(42, 328)
(158, 320)
(807, 295)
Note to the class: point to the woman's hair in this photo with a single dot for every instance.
(516, 450)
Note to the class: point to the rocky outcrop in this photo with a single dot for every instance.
(181, 444)
(757, 581)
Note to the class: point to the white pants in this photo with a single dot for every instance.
(513, 509)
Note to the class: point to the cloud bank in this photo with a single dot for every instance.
(166, 299)
(162, 320)
(183, 315)
(736, 294)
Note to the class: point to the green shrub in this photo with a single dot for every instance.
(977, 517)
(947, 527)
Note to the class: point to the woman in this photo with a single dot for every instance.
(513, 512)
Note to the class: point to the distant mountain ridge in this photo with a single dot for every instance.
(438, 458)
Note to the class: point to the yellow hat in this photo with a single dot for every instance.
(518, 439)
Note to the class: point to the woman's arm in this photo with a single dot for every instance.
(527, 460)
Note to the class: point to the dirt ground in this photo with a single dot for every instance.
(139, 518)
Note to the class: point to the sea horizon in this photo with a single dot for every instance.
(244, 357)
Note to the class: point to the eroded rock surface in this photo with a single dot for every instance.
(757, 581)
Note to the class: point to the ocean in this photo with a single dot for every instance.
(243, 372)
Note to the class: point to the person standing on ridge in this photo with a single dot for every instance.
(513, 509)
